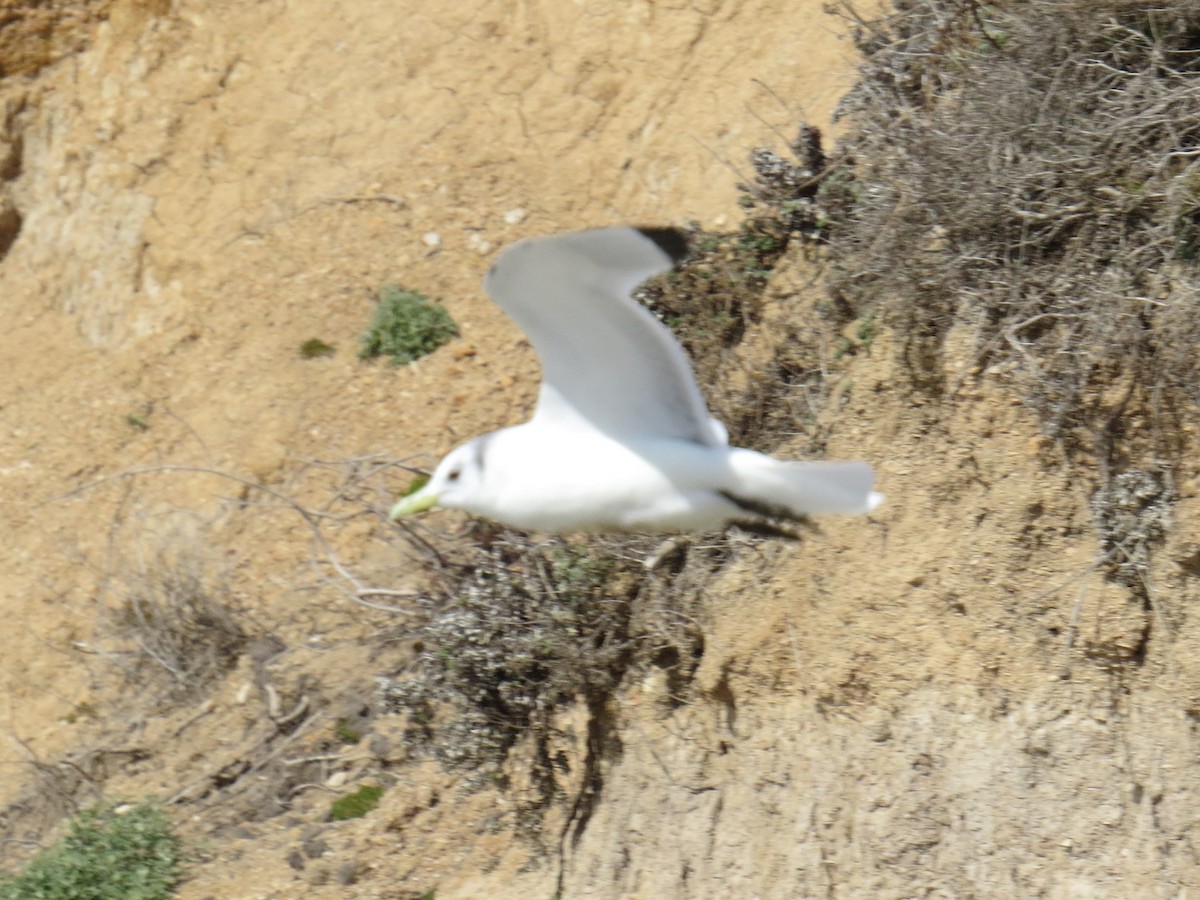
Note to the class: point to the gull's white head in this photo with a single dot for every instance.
(457, 482)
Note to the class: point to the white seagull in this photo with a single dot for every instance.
(621, 439)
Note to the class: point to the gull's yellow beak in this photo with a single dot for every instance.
(416, 502)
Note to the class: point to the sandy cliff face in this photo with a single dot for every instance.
(948, 699)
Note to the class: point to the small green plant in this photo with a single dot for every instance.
(82, 710)
(138, 421)
(345, 731)
(356, 805)
(415, 485)
(578, 575)
(112, 852)
(867, 329)
(314, 348)
(406, 326)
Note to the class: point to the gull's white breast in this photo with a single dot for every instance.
(548, 479)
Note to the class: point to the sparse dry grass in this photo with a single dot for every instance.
(166, 610)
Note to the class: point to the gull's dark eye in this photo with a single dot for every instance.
(454, 475)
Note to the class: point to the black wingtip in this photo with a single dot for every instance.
(670, 241)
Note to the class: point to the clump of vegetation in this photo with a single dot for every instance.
(522, 629)
(1132, 512)
(406, 326)
(786, 191)
(714, 300)
(1028, 171)
(315, 348)
(717, 293)
(173, 614)
(418, 482)
(357, 804)
(346, 731)
(525, 629)
(112, 852)
(711, 300)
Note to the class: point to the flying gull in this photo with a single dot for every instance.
(621, 439)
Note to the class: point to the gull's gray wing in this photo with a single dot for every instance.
(606, 361)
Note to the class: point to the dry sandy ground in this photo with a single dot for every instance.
(947, 700)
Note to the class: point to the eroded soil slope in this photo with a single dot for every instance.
(950, 698)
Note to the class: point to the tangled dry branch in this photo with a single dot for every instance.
(1031, 170)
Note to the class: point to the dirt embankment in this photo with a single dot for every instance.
(948, 699)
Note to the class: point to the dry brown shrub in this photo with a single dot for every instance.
(517, 628)
(167, 616)
(1031, 170)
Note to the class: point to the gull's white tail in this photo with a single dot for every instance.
(804, 488)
